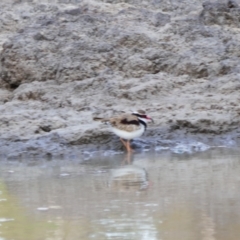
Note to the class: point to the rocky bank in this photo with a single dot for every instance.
(64, 62)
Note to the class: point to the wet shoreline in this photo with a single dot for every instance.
(53, 145)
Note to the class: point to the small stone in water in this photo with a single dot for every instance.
(42, 208)
(64, 174)
(6, 219)
(55, 207)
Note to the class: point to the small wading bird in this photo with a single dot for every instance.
(128, 126)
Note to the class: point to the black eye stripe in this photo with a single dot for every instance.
(140, 115)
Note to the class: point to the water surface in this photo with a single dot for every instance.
(150, 196)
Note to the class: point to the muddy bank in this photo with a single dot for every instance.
(63, 63)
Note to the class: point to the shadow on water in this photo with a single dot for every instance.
(145, 196)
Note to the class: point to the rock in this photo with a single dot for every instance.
(221, 13)
(232, 4)
(161, 19)
(73, 11)
(63, 63)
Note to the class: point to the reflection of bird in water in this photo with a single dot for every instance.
(208, 227)
(129, 178)
(128, 126)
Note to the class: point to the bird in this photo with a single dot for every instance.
(128, 126)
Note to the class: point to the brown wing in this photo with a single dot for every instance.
(126, 122)
(129, 122)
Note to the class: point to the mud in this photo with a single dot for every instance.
(62, 63)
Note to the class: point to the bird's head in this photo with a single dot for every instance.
(142, 116)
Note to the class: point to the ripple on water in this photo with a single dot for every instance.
(126, 229)
(6, 219)
(189, 147)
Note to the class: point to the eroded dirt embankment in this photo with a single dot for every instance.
(62, 64)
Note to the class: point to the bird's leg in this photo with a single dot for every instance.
(123, 142)
(128, 146)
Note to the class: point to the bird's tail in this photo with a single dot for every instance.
(97, 119)
(104, 120)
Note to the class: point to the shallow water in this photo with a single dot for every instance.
(149, 196)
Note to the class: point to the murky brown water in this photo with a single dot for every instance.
(156, 196)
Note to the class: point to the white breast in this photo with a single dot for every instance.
(129, 135)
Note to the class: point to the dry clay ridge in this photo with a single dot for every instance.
(64, 63)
